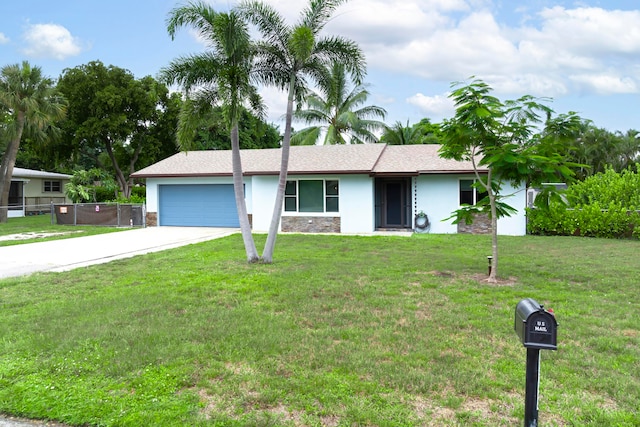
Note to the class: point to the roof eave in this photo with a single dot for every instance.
(177, 175)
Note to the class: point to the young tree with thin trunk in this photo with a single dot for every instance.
(503, 138)
(222, 75)
(288, 55)
(31, 105)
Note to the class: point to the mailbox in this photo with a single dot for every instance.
(535, 326)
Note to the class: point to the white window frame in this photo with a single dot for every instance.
(476, 192)
(325, 197)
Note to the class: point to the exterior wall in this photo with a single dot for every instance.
(438, 197)
(263, 195)
(515, 225)
(356, 206)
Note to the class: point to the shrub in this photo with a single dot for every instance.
(603, 205)
(104, 194)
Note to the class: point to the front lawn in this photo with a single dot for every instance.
(339, 331)
(38, 228)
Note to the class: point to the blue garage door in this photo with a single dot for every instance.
(198, 205)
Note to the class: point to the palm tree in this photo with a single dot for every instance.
(423, 132)
(338, 112)
(32, 104)
(628, 149)
(288, 55)
(220, 75)
(398, 134)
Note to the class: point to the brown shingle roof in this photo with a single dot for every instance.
(315, 159)
(417, 159)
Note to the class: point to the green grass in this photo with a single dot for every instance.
(44, 230)
(339, 331)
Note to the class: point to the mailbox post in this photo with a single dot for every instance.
(536, 328)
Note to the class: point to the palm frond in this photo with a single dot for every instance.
(198, 15)
(307, 136)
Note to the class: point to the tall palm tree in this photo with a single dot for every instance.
(338, 112)
(287, 56)
(220, 75)
(32, 104)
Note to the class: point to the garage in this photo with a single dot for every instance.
(197, 205)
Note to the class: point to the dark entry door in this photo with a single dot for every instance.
(393, 202)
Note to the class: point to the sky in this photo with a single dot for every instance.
(584, 56)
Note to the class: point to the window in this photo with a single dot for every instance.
(52, 186)
(311, 196)
(469, 195)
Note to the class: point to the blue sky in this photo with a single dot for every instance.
(585, 55)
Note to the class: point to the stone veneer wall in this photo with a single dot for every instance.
(311, 224)
(152, 219)
(481, 225)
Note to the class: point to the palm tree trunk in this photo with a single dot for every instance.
(6, 168)
(269, 247)
(241, 205)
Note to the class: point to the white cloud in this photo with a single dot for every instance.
(276, 102)
(548, 52)
(606, 83)
(433, 106)
(3, 39)
(50, 41)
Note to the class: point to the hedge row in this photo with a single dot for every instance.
(604, 205)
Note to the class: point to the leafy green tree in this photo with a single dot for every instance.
(82, 185)
(212, 133)
(502, 138)
(339, 112)
(222, 75)
(287, 55)
(30, 105)
(597, 149)
(112, 113)
(158, 138)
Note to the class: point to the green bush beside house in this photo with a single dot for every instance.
(604, 205)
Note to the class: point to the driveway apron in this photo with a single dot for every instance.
(67, 254)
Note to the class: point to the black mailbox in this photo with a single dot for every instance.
(535, 326)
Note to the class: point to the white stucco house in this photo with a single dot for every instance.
(338, 188)
(33, 191)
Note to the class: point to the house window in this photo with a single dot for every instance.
(311, 196)
(469, 195)
(52, 186)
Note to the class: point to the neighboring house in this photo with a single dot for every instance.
(532, 193)
(33, 191)
(334, 188)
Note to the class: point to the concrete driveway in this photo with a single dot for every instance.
(67, 254)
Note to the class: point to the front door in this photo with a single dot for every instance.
(393, 203)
